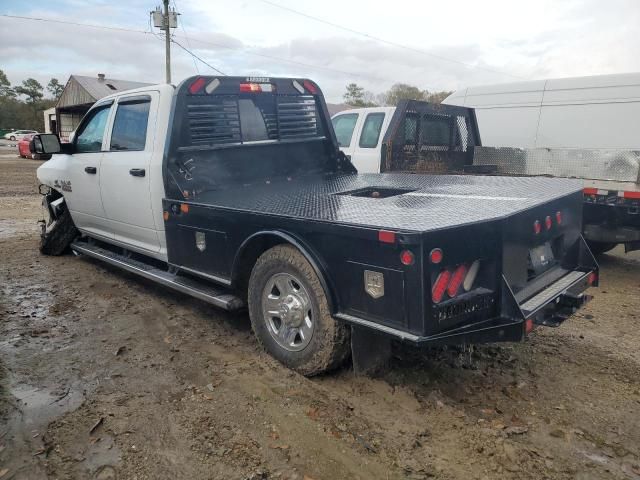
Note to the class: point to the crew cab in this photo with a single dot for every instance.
(234, 190)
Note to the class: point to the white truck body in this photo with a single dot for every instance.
(597, 112)
(356, 141)
(112, 204)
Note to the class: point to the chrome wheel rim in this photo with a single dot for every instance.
(288, 312)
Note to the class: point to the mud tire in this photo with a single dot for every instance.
(330, 344)
(58, 235)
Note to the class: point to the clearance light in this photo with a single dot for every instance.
(528, 325)
(197, 85)
(165, 215)
(297, 86)
(310, 86)
(471, 276)
(456, 280)
(212, 85)
(385, 236)
(559, 218)
(406, 257)
(537, 227)
(436, 255)
(184, 208)
(440, 286)
(548, 223)
(256, 87)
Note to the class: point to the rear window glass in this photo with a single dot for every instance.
(343, 126)
(371, 130)
(130, 125)
(434, 131)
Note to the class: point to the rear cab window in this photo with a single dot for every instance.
(371, 130)
(344, 126)
(129, 131)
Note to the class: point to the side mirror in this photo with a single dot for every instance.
(45, 144)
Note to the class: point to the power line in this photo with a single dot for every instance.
(388, 42)
(218, 45)
(195, 64)
(196, 56)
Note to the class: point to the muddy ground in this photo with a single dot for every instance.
(106, 376)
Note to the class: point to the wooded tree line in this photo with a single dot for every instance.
(357, 96)
(21, 105)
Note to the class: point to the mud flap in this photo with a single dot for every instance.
(370, 350)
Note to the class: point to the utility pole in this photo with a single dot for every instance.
(167, 42)
(164, 19)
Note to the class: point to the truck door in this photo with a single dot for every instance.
(125, 179)
(367, 155)
(82, 187)
(345, 125)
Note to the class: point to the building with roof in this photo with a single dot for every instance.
(79, 94)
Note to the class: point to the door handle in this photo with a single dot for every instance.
(137, 172)
(91, 170)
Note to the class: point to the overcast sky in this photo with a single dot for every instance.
(435, 45)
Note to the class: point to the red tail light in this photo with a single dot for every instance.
(592, 279)
(407, 258)
(456, 280)
(559, 218)
(548, 223)
(440, 286)
(310, 87)
(436, 255)
(528, 325)
(537, 227)
(197, 85)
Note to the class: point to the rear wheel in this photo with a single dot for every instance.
(57, 234)
(12, 138)
(598, 248)
(290, 313)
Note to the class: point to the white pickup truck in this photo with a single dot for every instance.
(233, 190)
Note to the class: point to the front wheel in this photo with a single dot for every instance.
(12, 138)
(57, 234)
(290, 313)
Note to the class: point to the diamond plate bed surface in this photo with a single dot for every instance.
(435, 202)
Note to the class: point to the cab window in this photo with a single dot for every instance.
(89, 138)
(343, 126)
(371, 130)
(130, 125)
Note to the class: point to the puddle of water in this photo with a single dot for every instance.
(39, 407)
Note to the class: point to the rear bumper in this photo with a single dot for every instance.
(550, 306)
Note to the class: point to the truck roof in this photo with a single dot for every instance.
(405, 202)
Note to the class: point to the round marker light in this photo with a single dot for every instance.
(407, 258)
(559, 218)
(537, 227)
(548, 223)
(436, 255)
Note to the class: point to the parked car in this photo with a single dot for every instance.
(18, 134)
(24, 150)
(234, 190)
(23, 146)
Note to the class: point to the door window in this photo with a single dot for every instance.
(371, 130)
(343, 126)
(130, 125)
(89, 138)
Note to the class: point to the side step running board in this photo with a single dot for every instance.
(215, 295)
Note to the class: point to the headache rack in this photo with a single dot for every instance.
(429, 138)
